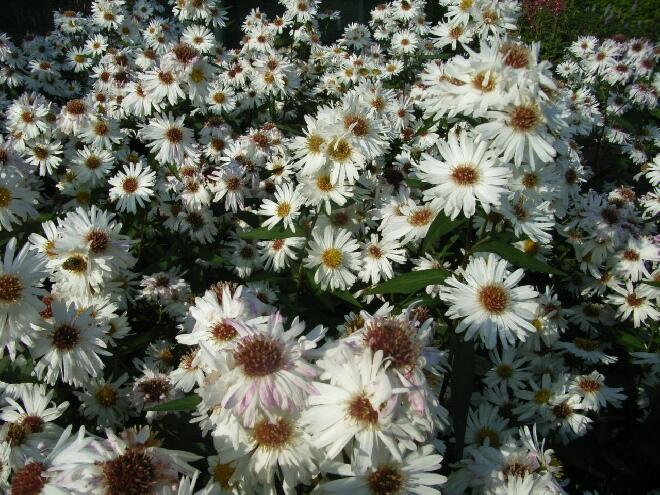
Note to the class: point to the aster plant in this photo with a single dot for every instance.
(415, 258)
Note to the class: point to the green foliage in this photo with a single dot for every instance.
(409, 283)
(187, 403)
(601, 18)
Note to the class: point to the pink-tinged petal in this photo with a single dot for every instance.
(267, 393)
(247, 399)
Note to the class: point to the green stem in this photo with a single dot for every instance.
(304, 250)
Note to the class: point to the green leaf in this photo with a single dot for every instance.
(441, 225)
(288, 128)
(652, 283)
(344, 295)
(410, 282)
(517, 257)
(630, 342)
(416, 183)
(263, 233)
(187, 403)
(248, 217)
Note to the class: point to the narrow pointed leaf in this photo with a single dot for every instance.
(183, 404)
(411, 282)
(518, 258)
(265, 234)
(441, 225)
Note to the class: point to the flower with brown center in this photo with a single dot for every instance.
(339, 150)
(360, 410)
(5, 197)
(421, 217)
(259, 355)
(485, 433)
(562, 410)
(465, 175)
(272, 435)
(132, 473)
(516, 55)
(154, 389)
(494, 298)
(76, 107)
(98, 240)
(387, 479)
(76, 263)
(524, 118)
(174, 135)
(395, 338)
(223, 332)
(130, 185)
(29, 480)
(589, 385)
(484, 81)
(106, 396)
(10, 288)
(283, 209)
(324, 184)
(65, 337)
(357, 125)
(17, 434)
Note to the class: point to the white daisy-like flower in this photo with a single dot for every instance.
(335, 255)
(485, 426)
(97, 231)
(268, 371)
(132, 186)
(412, 474)
(45, 155)
(169, 138)
(278, 254)
(92, 165)
(378, 256)
(134, 463)
(356, 410)
(566, 414)
(214, 316)
(404, 42)
(466, 173)
(151, 389)
(21, 277)
(162, 84)
(488, 302)
(16, 201)
(411, 221)
(320, 191)
(634, 301)
(29, 425)
(285, 208)
(68, 345)
(520, 131)
(105, 401)
(278, 451)
(595, 394)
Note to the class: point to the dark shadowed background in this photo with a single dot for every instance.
(555, 22)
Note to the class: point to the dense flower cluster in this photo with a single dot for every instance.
(168, 206)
